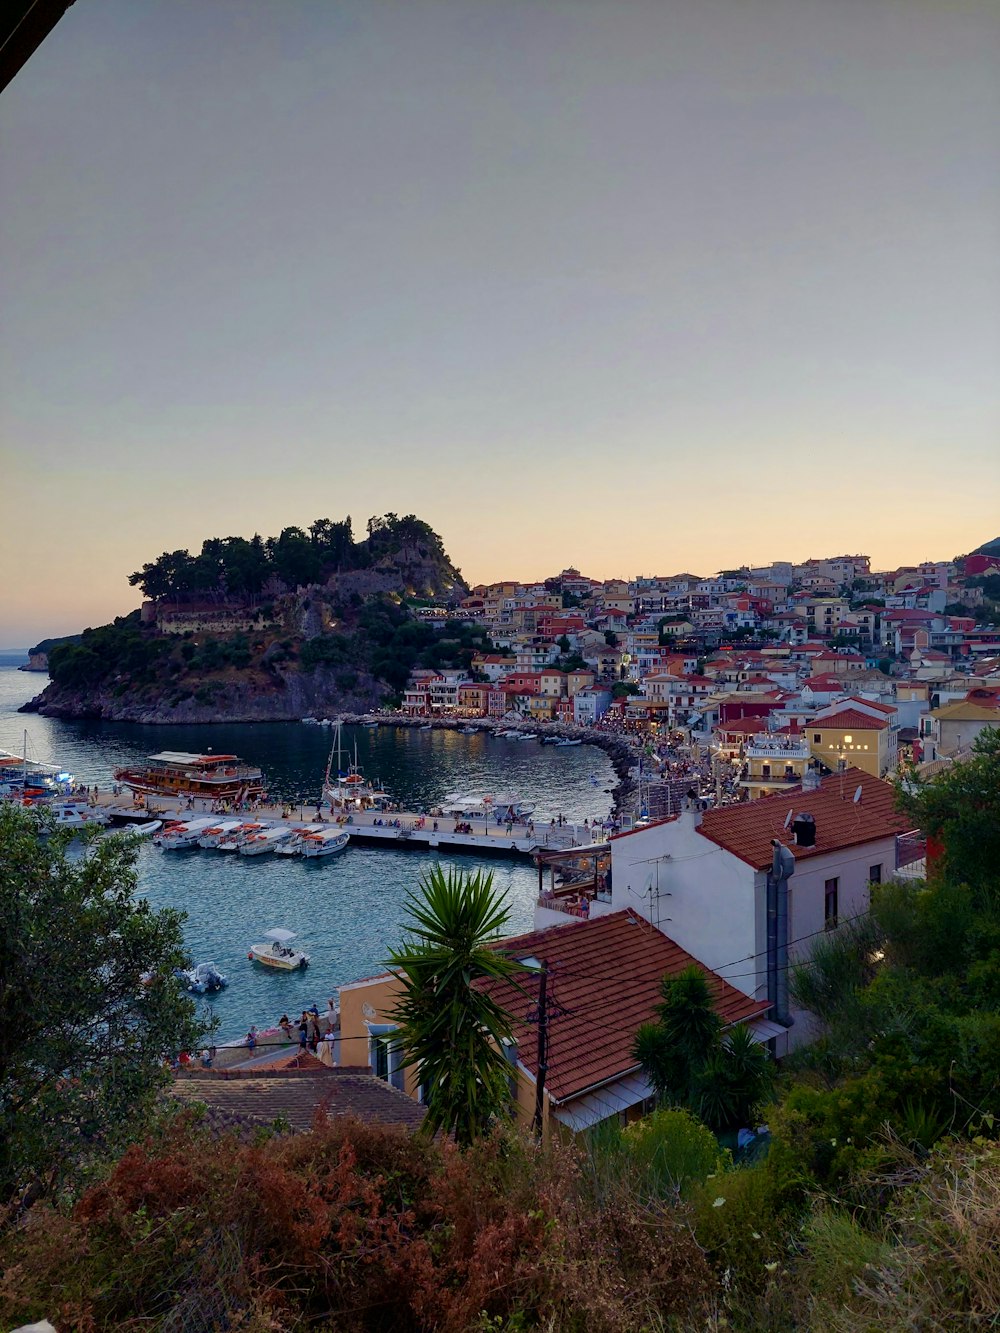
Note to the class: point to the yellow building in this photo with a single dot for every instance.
(773, 760)
(851, 739)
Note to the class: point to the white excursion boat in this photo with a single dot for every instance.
(293, 847)
(182, 834)
(276, 953)
(219, 832)
(265, 841)
(325, 843)
(238, 836)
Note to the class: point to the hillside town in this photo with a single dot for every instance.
(772, 674)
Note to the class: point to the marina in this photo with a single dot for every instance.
(348, 909)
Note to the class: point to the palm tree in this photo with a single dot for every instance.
(450, 1028)
(691, 1062)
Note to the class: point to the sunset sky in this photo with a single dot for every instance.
(638, 287)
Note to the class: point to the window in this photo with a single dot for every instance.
(385, 1054)
(875, 874)
(817, 738)
(830, 904)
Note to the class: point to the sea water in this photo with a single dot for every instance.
(348, 910)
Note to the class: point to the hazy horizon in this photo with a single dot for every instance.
(650, 285)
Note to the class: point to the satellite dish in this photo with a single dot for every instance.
(368, 1011)
(788, 820)
(858, 794)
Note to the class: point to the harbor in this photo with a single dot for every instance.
(348, 910)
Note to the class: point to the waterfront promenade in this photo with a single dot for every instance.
(398, 829)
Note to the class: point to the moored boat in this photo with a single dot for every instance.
(183, 833)
(326, 842)
(265, 841)
(276, 952)
(235, 839)
(205, 979)
(214, 777)
(219, 832)
(293, 847)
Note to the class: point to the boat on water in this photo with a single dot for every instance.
(293, 847)
(327, 842)
(235, 839)
(276, 952)
(346, 789)
(213, 777)
(182, 833)
(145, 830)
(69, 814)
(258, 844)
(27, 781)
(562, 744)
(205, 979)
(219, 832)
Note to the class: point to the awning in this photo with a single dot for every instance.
(593, 1107)
(763, 1030)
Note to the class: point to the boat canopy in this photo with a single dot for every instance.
(279, 934)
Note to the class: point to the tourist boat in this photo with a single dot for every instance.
(205, 979)
(238, 836)
(505, 802)
(265, 841)
(293, 847)
(326, 842)
(275, 953)
(213, 777)
(182, 834)
(219, 832)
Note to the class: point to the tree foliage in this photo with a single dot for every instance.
(720, 1076)
(234, 567)
(82, 1038)
(451, 1029)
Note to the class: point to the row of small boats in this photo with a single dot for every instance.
(252, 837)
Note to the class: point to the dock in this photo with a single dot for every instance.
(398, 829)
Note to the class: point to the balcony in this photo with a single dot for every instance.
(777, 750)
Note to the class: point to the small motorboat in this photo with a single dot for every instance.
(293, 846)
(70, 814)
(327, 842)
(265, 841)
(235, 840)
(276, 952)
(146, 830)
(183, 834)
(219, 833)
(311, 721)
(205, 979)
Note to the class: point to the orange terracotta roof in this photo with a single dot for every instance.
(747, 830)
(847, 718)
(870, 703)
(605, 975)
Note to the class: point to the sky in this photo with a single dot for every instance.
(639, 286)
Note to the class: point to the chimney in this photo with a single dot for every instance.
(804, 830)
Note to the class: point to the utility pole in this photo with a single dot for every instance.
(543, 1042)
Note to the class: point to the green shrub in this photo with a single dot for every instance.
(671, 1152)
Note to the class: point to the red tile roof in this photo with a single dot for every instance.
(747, 830)
(849, 718)
(605, 976)
(870, 703)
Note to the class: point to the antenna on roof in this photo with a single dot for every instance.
(788, 819)
(858, 794)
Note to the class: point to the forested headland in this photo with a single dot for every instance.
(311, 621)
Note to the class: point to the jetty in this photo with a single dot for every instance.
(471, 834)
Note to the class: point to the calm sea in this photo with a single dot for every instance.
(348, 910)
